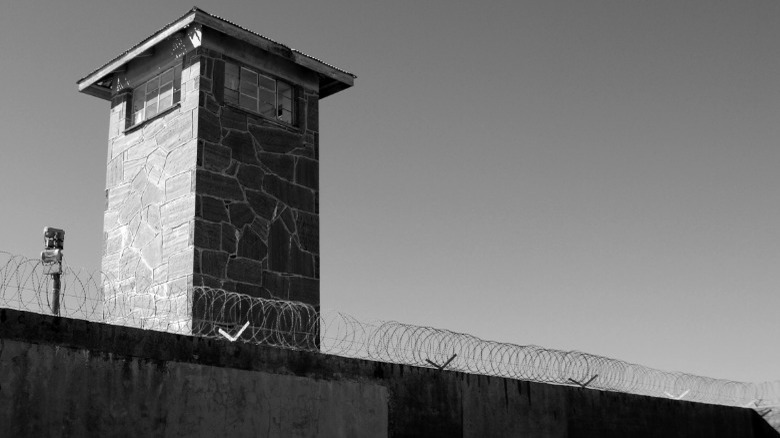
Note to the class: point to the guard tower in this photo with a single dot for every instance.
(212, 175)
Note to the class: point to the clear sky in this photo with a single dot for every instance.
(591, 175)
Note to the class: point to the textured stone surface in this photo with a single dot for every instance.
(213, 194)
(150, 206)
(257, 179)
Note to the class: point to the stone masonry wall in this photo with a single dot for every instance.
(211, 195)
(150, 209)
(257, 223)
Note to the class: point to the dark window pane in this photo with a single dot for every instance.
(151, 109)
(249, 83)
(285, 115)
(268, 109)
(247, 102)
(166, 77)
(285, 91)
(177, 84)
(231, 76)
(139, 96)
(153, 85)
(267, 96)
(166, 96)
(267, 83)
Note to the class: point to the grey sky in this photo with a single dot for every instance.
(590, 175)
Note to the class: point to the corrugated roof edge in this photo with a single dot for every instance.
(197, 9)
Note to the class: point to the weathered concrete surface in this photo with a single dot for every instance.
(78, 393)
(61, 377)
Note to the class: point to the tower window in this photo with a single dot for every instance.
(258, 93)
(156, 95)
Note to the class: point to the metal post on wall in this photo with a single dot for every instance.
(51, 257)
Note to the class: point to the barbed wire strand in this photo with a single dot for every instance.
(203, 311)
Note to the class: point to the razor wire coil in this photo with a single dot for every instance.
(203, 311)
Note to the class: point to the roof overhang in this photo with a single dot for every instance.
(331, 79)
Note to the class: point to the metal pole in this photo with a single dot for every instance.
(55, 305)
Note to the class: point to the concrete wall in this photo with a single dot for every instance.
(61, 377)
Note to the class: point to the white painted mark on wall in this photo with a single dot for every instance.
(233, 338)
(679, 397)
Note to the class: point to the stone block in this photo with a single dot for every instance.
(278, 164)
(219, 79)
(308, 229)
(110, 220)
(114, 172)
(213, 209)
(138, 182)
(151, 253)
(208, 235)
(130, 208)
(218, 186)
(143, 236)
(152, 217)
(152, 195)
(307, 173)
(233, 119)
(250, 245)
(240, 214)
(260, 226)
(116, 196)
(213, 263)
(125, 142)
(175, 240)
(305, 290)
(160, 273)
(131, 169)
(205, 83)
(141, 150)
(178, 211)
(113, 241)
(215, 157)
(178, 185)
(300, 262)
(291, 194)
(178, 131)
(181, 264)
(275, 283)
(203, 280)
(245, 271)
(275, 140)
(229, 238)
(155, 163)
(312, 113)
(128, 262)
(209, 127)
(240, 143)
(151, 129)
(250, 176)
(253, 290)
(181, 159)
(287, 218)
(210, 104)
(278, 247)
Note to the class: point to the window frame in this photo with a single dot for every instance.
(139, 102)
(244, 88)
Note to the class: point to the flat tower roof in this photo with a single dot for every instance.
(332, 79)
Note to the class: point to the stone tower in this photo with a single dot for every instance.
(212, 175)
